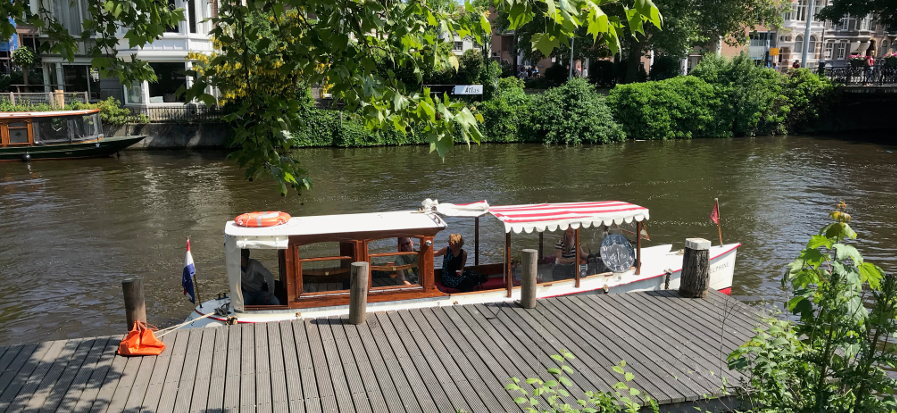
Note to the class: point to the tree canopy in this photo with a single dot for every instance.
(883, 11)
(337, 42)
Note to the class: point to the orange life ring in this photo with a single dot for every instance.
(262, 219)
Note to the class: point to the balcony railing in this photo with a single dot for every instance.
(179, 113)
(863, 76)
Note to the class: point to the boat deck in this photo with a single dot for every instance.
(424, 360)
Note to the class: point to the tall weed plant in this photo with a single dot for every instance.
(834, 357)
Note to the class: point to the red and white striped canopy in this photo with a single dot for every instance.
(551, 217)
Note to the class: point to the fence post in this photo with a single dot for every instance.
(358, 292)
(135, 303)
(695, 268)
(86, 98)
(12, 98)
(60, 99)
(529, 261)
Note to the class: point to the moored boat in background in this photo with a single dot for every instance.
(26, 136)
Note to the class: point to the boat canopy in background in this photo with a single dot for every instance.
(551, 217)
(65, 128)
(471, 210)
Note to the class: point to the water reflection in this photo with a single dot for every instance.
(72, 230)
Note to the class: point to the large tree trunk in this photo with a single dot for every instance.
(634, 59)
(25, 77)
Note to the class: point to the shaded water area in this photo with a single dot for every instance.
(72, 230)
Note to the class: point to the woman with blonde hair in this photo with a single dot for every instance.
(454, 259)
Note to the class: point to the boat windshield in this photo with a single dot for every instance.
(67, 128)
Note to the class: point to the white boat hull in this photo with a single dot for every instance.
(656, 263)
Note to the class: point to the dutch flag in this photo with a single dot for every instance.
(187, 279)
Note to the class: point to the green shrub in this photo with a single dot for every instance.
(606, 73)
(572, 114)
(504, 116)
(681, 107)
(111, 112)
(808, 97)
(664, 67)
(556, 74)
(752, 95)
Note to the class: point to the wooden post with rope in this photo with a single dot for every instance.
(358, 292)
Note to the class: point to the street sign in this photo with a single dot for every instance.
(468, 90)
(774, 51)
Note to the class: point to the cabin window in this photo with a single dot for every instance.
(324, 267)
(394, 262)
(18, 133)
(272, 261)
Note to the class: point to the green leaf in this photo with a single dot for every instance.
(484, 24)
(629, 376)
(619, 369)
(843, 252)
(565, 381)
(521, 400)
(871, 273)
(554, 370)
(634, 392)
(812, 257)
(453, 60)
(532, 380)
(545, 43)
(817, 241)
(557, 357)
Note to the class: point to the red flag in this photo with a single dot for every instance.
(714, 215)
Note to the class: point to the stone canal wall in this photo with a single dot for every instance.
(174, 135)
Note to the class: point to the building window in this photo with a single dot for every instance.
(133, 93)
(192, 15)
(175, 28)
(459, 46)
(811, 48)
(828, 49)
(865, 23)
(884, 48)
(842, 50)
(170, 77)
(800, 12)
(77, 78)
(787, 14)
(799, 44)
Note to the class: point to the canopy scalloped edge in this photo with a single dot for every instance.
(529, 227)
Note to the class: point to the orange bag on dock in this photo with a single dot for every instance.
(141, 341)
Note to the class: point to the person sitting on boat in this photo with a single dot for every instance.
(254, 280)
(407, 276)
(454, 259)
(565, 255)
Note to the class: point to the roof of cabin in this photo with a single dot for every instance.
(342, 224)
(47, 114)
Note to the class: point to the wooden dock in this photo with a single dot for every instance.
(440, 359)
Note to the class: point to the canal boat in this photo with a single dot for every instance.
(315, 255)
(26, 136)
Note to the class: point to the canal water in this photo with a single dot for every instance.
(72, 230)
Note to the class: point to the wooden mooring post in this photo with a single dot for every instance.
(135, 301)
(695, 268)
(529, 261)
(358, 292)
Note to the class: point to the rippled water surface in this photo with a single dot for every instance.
(72, 230)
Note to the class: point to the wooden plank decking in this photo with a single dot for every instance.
(426, 360)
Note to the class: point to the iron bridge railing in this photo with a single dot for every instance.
(863, 76)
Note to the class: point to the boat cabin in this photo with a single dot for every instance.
(48, 128)
(315, 253)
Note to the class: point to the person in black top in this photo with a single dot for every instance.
(453, 273)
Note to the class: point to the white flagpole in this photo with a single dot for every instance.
(195, 285)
